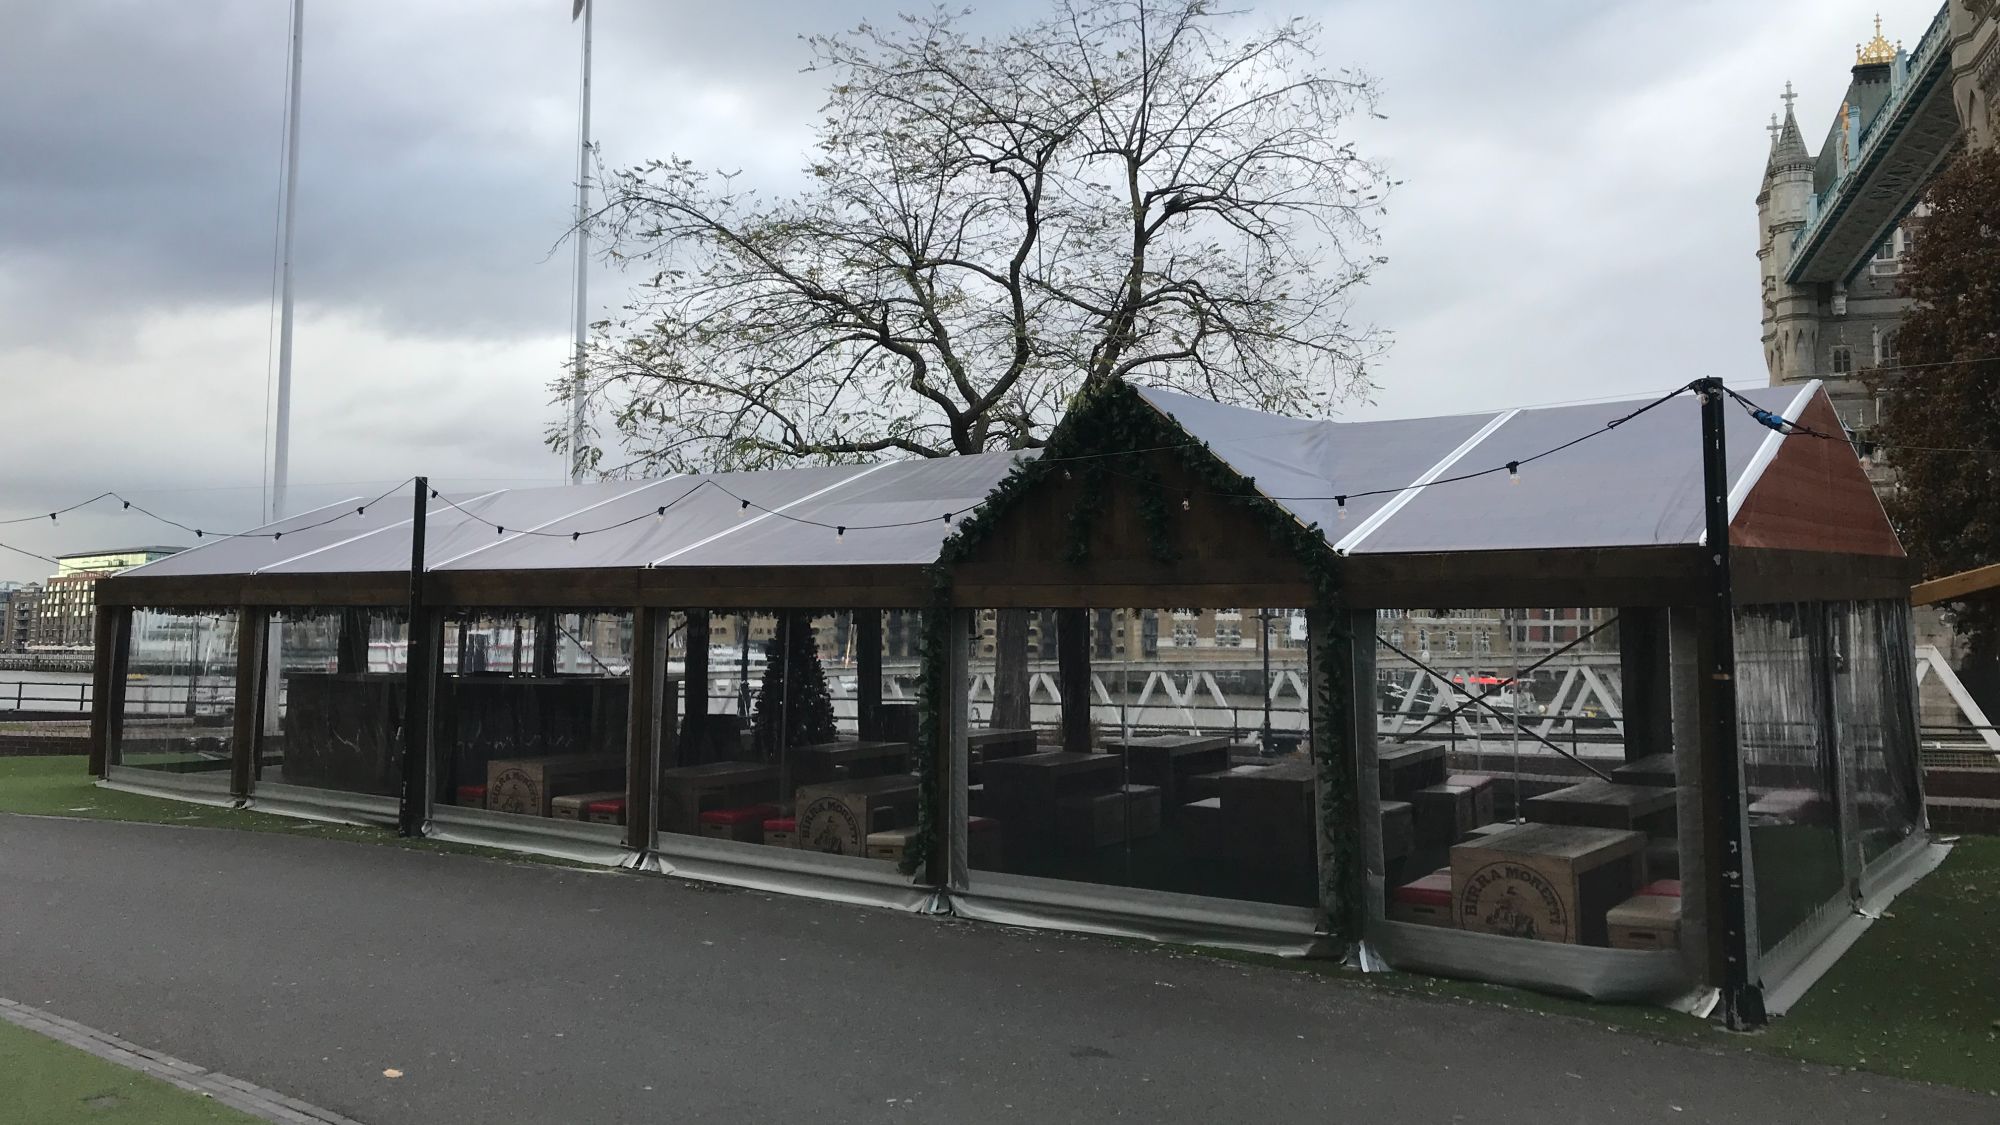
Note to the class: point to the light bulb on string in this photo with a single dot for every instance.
(1513, 472)
(743, 508)
(575, 535)
(947, 517)
(498, 530)
(661, 514)
(361, 513)
(53, 520)
(839, 534)
(1187, 504)
(1340, 502)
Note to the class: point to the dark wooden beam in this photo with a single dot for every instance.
(121, 666)
(642, 732)
(1759, 575)
(105, 628)
(252, 631)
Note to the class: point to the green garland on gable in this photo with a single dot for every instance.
(1107, 420)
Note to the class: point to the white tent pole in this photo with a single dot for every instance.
(576, 395)
(282, 437)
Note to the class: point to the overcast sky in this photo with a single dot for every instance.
(1576, 218)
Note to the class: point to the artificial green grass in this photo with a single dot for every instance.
(62, 786)
(51, 1083)
(1919, 995)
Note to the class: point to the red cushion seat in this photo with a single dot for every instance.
(1431, 890)
(1664, 888)
(468, 794)
(614, 806)
(782, 824)
(747, 814)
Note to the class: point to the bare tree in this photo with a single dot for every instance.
(1133, 189)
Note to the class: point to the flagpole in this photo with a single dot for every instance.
(576, 395)
(282, 437)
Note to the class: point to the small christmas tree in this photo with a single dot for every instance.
(801, 681)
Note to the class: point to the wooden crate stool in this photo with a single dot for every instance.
(1426, 902)
(781, 832)
(744, 824)
(576, 806)
(1548, 882)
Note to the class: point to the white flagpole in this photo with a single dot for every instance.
(282, 438)
(576, 395)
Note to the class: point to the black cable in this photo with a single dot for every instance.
(1863, 446)
(360, 510)
(58, 511)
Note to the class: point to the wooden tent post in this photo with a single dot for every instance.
(113, 660)
(642, 729)
(1073, 677)
(419, 677)
(696, 635)
(252, 628)
(952, 755)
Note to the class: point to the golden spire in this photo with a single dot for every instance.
(1876, 50)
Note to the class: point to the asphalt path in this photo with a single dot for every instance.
(508, 992)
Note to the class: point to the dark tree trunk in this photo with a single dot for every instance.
(1010, 669)
(351, 651)
(1073, 677)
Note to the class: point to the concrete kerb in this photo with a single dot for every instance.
(267, 1105)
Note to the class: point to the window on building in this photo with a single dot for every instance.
(1887, 347)
(1843, 359)
(1451, 641)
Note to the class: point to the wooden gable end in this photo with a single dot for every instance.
(1221, 552)
(1814, 496)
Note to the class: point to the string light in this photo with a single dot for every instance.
(1187, 502)
(1513, 472)
(840, 533)
(498, 530)
(660, 515)
(1340, 502)
(361, 513)
(575, 535)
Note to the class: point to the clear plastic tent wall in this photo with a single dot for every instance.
(1875, 700)
(1826, 723)
(1784, 731)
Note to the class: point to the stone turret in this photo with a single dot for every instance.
(1782, 203)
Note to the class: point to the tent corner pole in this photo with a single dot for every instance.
(1722, 768)
(419, 671)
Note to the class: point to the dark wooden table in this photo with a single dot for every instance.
(1171, 761)
(832, 761)
(1022, 791)
(1267, 814)
(1606, 804)
(996, 743)
(685, 790)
